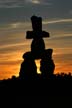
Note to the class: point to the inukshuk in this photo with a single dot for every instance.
(38, 51)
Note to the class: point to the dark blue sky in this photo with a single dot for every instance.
(20, 10)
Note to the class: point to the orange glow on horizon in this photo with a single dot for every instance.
(7, 71)
(14, 60)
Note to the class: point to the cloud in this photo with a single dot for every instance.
(33, 1)
(57, 21)
(16, 5)
(42, 2)
(36, 1)
(63, 37)
(28, 24)
(19, 25)
(10, 62)
(65, 58)
(21, 3)
(11, 3)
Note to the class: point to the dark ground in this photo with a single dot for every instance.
(36, 91)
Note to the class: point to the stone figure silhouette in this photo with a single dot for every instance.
(28, 67)
(37, 29)
(47, 64)
(37, 46)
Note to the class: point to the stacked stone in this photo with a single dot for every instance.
(38, 51)
(38, 45)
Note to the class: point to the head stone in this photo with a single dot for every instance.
(37, 29)
(36, 23)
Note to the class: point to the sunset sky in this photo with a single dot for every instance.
(15, 21)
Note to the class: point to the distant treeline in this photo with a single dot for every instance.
(61, 76)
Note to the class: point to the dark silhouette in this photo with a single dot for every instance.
(37, 29)
(37, 47)
(47, 64)
(36, 23)
(38, 51)
(28, 67)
